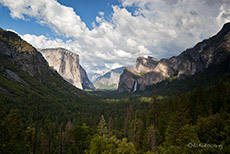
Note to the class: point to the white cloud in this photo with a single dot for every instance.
(113, 66)
(44, 42)
(101, 13)
(159, 28)
(122, 53)
(60, 18)
(224, 15)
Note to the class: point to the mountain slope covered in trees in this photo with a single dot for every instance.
(42, 113)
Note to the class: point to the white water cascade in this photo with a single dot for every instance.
(135, 86)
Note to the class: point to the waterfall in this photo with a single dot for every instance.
(135, 86)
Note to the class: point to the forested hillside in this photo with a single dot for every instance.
(197, 122)
(42, 113)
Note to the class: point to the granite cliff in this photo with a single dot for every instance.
(24, 71)
(149, 71)
(67, 65)
(110, 80)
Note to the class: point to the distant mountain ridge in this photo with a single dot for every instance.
(110, 80)
(24, 72)
(67, 65)
(145, 73)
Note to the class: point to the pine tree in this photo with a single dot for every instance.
(110, 127)
(152, 139)
(154, 112)
(48, 142)
(180, 118)
(14, 136)
(127, 120)
(101, 128)
(31, 134)
(136, 132)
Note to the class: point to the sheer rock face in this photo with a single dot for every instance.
(86, 83)
(144, 65)
(23, 55)
(67, 65)
(21, 63)
(212, 51)
(110, 80)
(25, 60)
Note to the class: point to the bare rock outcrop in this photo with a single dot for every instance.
(109, 80)
(145, 72)
(67, 65)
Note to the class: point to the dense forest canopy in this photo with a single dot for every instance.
(42, 113)
(194, 122)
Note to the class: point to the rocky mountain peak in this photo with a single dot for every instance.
(67, 64)
(24, 72)
(22, 54)
(225, 28)
(144, 65)
(148, 71)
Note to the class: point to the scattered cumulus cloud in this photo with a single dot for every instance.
(113, 66)
(101, 13)
(224, 15)
(44, 42)
(160, 28)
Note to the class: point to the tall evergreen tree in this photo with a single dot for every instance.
(14, 135)
(102, 128)
(152, 139)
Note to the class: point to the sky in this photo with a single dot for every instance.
(107, 34)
